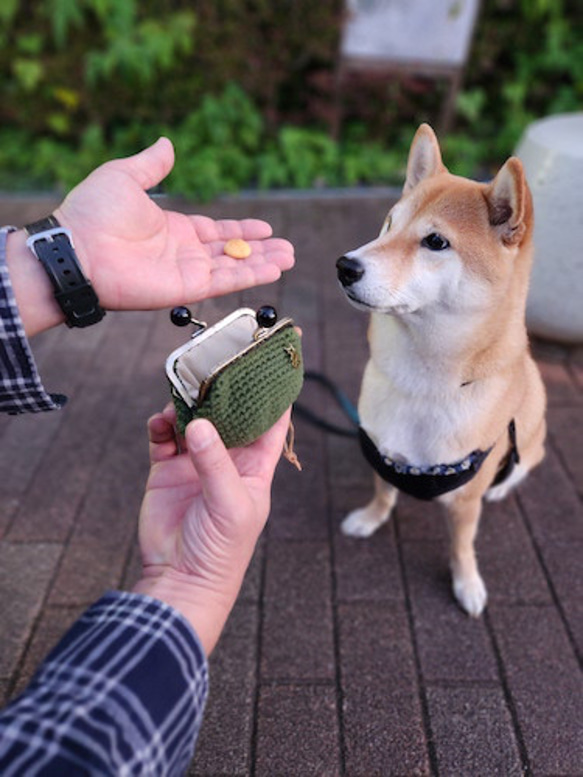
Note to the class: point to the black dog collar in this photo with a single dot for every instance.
(430, 482)
(53, 246)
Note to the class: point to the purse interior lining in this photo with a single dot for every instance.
(205, 356)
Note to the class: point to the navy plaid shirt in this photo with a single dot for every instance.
(21, 390)
(122, 693)
(125, 689)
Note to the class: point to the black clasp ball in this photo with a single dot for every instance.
(180, 316)
(266, 316)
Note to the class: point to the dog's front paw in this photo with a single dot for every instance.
(471, 593)
(362, 522)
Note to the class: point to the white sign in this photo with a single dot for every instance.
(431, 32)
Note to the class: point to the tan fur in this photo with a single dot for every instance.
(443, 319)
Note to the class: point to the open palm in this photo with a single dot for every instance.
(140, 256)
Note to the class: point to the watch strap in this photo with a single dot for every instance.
(53, 246)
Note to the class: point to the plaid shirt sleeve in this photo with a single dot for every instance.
(21, 390)
(122, 693)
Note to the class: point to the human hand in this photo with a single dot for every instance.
(139, 256)
(202, 513)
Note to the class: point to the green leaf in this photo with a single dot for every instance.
(28, 72)
(8, 9)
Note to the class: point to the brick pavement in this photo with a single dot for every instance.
(342, 657)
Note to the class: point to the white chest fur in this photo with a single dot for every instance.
(412, 400)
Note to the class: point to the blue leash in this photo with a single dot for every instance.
(341, 399)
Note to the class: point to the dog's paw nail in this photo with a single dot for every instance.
(471, 595)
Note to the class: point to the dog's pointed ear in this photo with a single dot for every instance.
(424, 158)
(509, 202)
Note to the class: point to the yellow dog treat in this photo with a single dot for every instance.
(237, 248)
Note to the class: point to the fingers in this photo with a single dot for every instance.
(163, 444)
(209, 230)
(151, 165)
(227, 281)
(222, 487)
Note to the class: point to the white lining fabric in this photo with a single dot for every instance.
(219, 344)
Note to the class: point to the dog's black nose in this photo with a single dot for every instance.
(349, 270)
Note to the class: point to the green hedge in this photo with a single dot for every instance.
(245, 89)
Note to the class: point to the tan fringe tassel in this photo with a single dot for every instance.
(288, 448)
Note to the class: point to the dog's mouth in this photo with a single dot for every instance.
(390, 310)
(356, 301)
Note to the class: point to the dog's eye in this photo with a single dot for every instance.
(435, 242)
(387, 225)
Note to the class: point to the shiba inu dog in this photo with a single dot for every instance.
(452, 406)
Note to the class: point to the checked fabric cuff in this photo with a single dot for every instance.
(123, 693)
(21, 389)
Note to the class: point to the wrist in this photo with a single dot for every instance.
(32, 288)
(193, 597)
(52, 244)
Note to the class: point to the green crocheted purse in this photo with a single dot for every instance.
(242, 374)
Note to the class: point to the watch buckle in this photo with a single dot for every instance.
(48, 234)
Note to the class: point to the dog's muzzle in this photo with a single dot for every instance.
(349, 270)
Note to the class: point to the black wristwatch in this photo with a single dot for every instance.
(52, 244)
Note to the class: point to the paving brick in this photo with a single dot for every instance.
(297, 731)
(573, 610)
(576, 365)
(103, 534)
(426, 566)
(350, 477)
(25, 575)
(87, 571)
(24, 443)
(21, 209)
(563, 562)
(508, 561)
(301, 301)
(452, 646)
(252, 582)
(297, 637)
(554, 511)
(384, 732)
(566, 432)
(473, 734)
(299, 510)
(51, 503)
(4, 692)
(224, 745)
(346, 346)
(418, 520)
(367, 569)
(375, 642)
(546, 686)
(235, 656)
(264, 295)
(51, 627)
(553, 365)
(563, 566)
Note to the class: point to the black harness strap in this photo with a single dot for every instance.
(431, 482)
(511, 460)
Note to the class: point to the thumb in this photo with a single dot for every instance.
(220, 481)
(150, 166)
